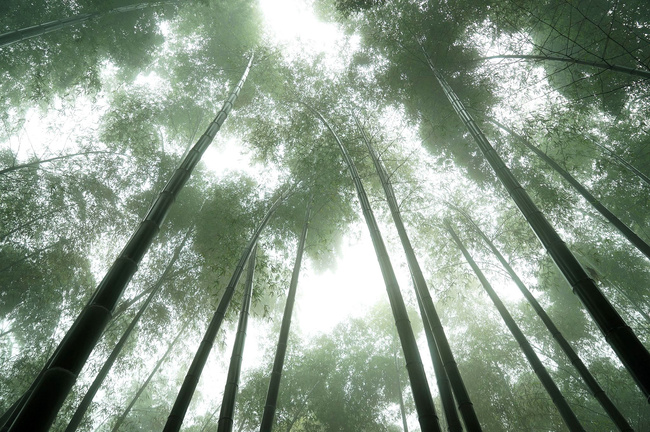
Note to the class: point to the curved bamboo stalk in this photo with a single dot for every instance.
(556, 396)
(280, 352)
(601, 65)
(53, 385)
(444, 364)
(421, 393)
(52, 159)
(25, 33)
(225, 422)
(596, 390)
(627, 346)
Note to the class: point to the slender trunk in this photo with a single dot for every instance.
(225, 422)
(629, 349)
(281, 350)
(42, 405)
(207, 422)
(146, 382)
(125, 305)
(608, 282)
(593, 386)
(632, 237)
(402, 409)
(41, 29)
(175, 419)
(6, 234)
(442, 380)
(298, 413)
(99, 379)
(615, 68)
(623, 162)
(563, 407)
(14, 36)
(38, 162)
(421, 393)
(446, 370)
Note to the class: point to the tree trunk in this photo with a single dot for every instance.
(593, 386)
(563, 407)
(99, 379)
(625, 163)
(402, 409)
(175, 419)
(632, 237)
(226, 422)
(615, 68)
(42, 405)
(280, 352)
(144, 385)
(14, 36)
(449, 372)
(442, 380)
(38, 162)
(634, 356)
(421, 393)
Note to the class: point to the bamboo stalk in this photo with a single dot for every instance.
(421, 393)
(553, 391)
(225, 422)
(53, 385)
(629, 349)
(280, 352)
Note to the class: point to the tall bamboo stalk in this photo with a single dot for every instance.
(614, 414)
(108, 364)
(563, 407)
(175, 419)
(625, 163)
(600, 65)
(439, 346)
(630, 235)
(402, 409)
(281, 350)
(25, 33)
(629, 349)
(442, 380)
(421, 393)
(225, 422)
(59, 375)
(146, 382)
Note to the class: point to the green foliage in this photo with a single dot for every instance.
(347, 379)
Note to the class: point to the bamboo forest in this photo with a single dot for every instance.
(324, 215)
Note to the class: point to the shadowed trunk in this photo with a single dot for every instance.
(629, 349)
(593, 386)
(419, 385)
(600, 65)
(47, 394)
(630, 235)
(446, 369)
(280, 352)
(556, 396)
(146, 382)
(225, 422)
(15, 36)
(108, 364)
(175, 419)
